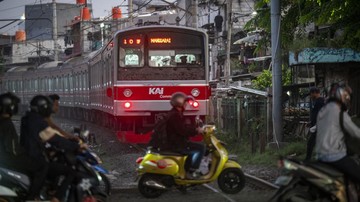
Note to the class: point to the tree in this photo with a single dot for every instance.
(264, 80)
(342, 15)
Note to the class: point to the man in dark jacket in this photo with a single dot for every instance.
(35, 132)
(317, 102)
(178, 132)
(12, 155)
(55, 98)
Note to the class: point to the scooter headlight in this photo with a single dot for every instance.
(289, 165)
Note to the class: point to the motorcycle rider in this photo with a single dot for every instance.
(330, 141)
(12, 155)
(317, 103)
(178, 133)
(36, 132)
(55, 99)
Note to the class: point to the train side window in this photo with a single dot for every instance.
(131, 57)
(36, 86)
(71, 86)
(65, 83)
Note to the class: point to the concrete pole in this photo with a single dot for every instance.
(54, 22)
(228, 42)
(130, 11)
(276, 71)
(195, 14)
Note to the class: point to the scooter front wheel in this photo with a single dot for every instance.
(146, 190)
(231, 180)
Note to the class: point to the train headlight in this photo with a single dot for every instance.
(195, 104)
(127, 92)
(195, 92)
(127, 105)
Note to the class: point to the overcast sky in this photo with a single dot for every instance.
(10, 9)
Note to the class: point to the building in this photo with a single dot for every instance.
(39, 19)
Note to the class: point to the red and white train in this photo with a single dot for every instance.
(127, 84)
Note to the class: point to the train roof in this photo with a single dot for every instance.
(50, 65)
(161, 26)
(19, 69)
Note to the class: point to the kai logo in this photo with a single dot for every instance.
(156, 91)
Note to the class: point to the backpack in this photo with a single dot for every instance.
(352, 143)
(159, 138)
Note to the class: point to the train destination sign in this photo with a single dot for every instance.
(166, 40)
(132, 41)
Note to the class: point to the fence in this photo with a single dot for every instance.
(244, 116)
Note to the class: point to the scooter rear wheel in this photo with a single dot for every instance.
(231, 180)
(147, 191)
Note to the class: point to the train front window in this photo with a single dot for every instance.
(174, 58)
(131, 51)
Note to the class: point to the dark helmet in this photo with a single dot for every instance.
(42, 105)
(54, 97)
(174, 101)
(337, 91)
(9, 103)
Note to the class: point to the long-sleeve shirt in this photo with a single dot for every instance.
(330, 139)
(9, 140)
(178, 132)
(315, 108)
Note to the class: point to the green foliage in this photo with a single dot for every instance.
(235, 64)
(264, 80)
(297, 14)
(242, 148)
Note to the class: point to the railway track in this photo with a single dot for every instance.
(256, 183)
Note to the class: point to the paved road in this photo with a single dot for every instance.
(195, 194)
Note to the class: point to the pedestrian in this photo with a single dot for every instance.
(317, 102)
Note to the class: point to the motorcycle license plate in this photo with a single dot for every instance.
(283, 180)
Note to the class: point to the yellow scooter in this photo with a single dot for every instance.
(159, 171)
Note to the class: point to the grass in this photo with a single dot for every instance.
(242, 148)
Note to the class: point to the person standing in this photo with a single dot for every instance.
(317, 102)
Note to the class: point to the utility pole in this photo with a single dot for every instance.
(228, 42)
(54, 22)
(276, 71)
(131, 10)
(195, 14)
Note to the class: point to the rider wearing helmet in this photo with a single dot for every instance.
(12, 155)
(35, 132)
(333, 126)
(179, 132)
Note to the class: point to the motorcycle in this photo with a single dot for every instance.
(313, 181)
(158, 171)
(14, 186)
(94, 160)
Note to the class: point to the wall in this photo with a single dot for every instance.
(42, 28)
(21, 52)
